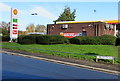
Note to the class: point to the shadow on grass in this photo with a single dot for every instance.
(91, 54)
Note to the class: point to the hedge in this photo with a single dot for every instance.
(27, 39)
(117, 41)
(42, 39)
(87, 40)
(5, 38)
(51, 39)
(107, 40)
(57, 39)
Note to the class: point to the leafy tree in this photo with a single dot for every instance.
(40, 28)
(30, 28)
(67, 15)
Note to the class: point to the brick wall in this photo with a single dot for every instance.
(92, 29)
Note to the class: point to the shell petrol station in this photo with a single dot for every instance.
(84, 28)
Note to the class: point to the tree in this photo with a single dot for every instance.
(30, 28)
(40, 28)
(67, 15)
(5, 28)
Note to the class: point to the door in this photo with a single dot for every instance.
(84, 33)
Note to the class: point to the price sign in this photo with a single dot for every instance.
(14, 24)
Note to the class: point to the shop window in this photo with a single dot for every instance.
(64, 26)
(111, 26)
(107, 26)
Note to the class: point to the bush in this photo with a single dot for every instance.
(107, 40)
(117, 41)
(51, 39)
(42, 39)
(74, 40)
(20, 38)
(27, 39)
(87, 40)
(5, 38)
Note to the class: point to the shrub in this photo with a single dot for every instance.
(117, 42)
(74, 40)
(42, 39)
(20, 38)
(51, 39)
(57, 39)
(27, 39)
(107, 40)
(5, 38)
(90, 40)
(87, 40)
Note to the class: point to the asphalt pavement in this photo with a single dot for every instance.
(18, 67)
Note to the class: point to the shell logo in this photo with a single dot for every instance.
(15, 11)
(62, 34)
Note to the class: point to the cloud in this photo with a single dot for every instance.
(23, 12)
(4, 7)
(41, 11)
(22, 26)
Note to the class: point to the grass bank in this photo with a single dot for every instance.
(68, 50)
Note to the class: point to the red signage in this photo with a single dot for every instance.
(14, 31)
(69, 35)
(14, 24)
(15, 28)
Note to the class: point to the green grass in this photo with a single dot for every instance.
(105, 50)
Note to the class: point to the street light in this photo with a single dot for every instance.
(33, 19)
(34, 14)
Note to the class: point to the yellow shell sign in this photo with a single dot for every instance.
(15, 11)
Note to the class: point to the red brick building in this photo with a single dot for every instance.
(85, 28)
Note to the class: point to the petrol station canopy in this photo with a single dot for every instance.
(106, 21)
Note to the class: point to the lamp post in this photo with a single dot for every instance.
(33, 14)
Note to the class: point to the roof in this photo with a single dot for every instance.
(69, 22)
(106, 21)
(112, 21)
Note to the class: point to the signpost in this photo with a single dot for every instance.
(105, 57)
(14, 25)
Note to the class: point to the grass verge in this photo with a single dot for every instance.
(68, 50)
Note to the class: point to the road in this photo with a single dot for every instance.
(17, 67)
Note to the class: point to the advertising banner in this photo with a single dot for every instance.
(70, 35)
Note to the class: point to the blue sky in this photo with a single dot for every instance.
(49, 11)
